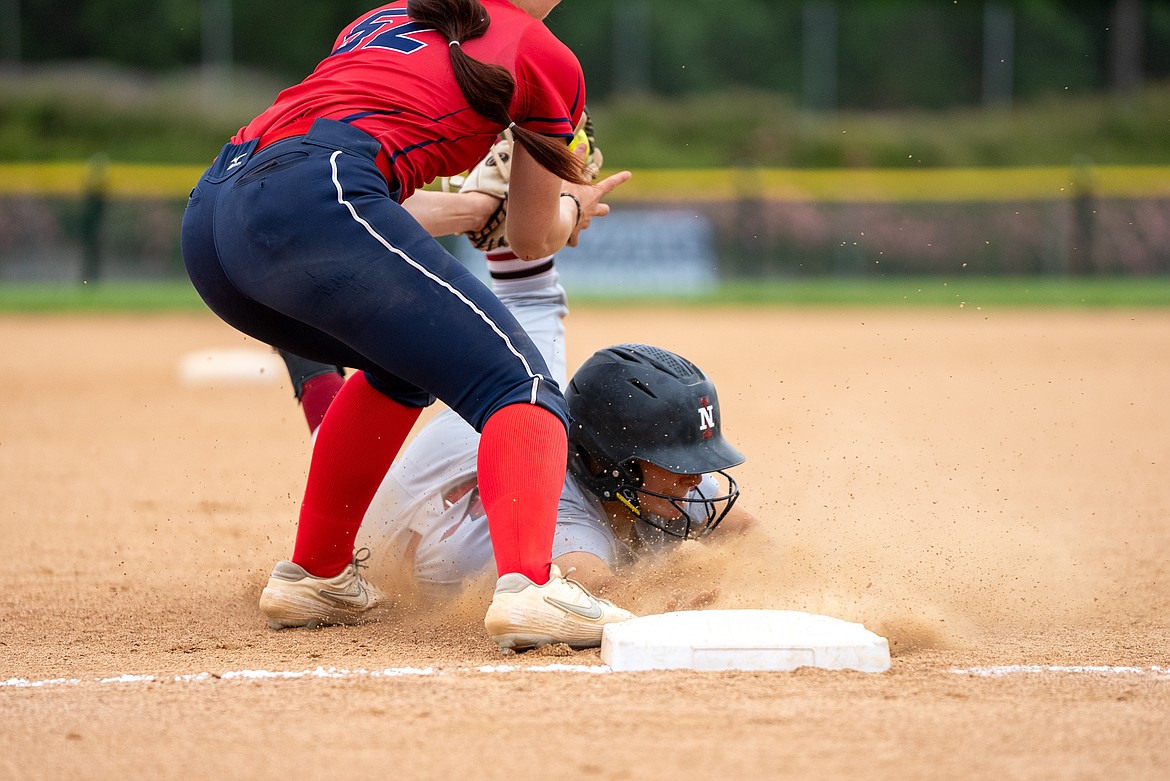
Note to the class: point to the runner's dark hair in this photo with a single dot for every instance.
(488, 88)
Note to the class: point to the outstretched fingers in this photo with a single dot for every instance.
(591, 196)
(611, 183)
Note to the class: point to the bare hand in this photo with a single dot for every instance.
(591, 197)
(481, 206)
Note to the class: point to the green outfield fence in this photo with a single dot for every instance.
(89, 220)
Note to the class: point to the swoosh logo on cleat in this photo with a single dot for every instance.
(354, 598)
(592, 611)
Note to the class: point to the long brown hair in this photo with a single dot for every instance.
(488, 88)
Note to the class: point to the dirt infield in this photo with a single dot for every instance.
(988, 489)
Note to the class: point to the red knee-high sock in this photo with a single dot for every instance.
(316, 396)
(522, 454)
(362, 432)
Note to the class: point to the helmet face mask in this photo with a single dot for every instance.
(635, 402)
(697, 514)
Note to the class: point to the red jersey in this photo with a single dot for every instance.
(395, 76)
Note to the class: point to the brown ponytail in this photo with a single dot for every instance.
(488, 88)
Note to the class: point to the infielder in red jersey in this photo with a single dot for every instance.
(296, 236)
(410, 113)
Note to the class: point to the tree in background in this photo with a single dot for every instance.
(851, 54)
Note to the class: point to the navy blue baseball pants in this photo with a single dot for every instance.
(302, 245)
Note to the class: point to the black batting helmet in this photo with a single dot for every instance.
(634, 402)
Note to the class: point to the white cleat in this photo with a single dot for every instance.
(294, 598)
(524, 615)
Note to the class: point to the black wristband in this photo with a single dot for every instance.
(577, 201)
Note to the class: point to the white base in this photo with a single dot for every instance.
(238, 365)
(742, 640)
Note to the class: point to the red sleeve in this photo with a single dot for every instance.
(550, 87)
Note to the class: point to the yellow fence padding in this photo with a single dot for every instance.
(691, 185)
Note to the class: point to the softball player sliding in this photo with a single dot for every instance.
(646, 449)
(296, 236)
(647, 461)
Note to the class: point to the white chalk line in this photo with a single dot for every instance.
(1153, 672)
(319, 672)
(1000, 671)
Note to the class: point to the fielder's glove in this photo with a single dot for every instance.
(493, 172)
(491, 177)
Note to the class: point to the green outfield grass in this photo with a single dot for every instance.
(103, 297)
(966, 292)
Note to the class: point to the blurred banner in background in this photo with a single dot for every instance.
(675, 230)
